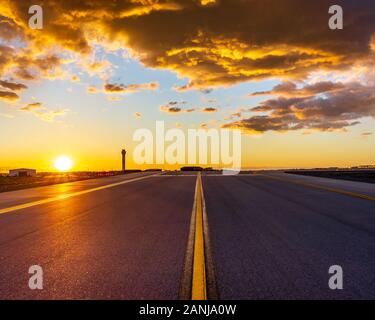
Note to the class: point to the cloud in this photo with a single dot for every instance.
(234, 115)
(50, 115)
(209, 109)
(8, 96)
(12, 85)
(9, 30)
(168, 109)
(290, 89)
(213, 43)
(174, 103)
(28, 67)
(32, 106)
(231, 42)
(209, 43)
(207, 2)
(75, 78)
(137, 115)
(332, 110)
(173, 109)
(91, 89)
(38, 110)
(121, 88)
(366, 134)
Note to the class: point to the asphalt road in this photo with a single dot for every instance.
(276, 240)
(270, 239)
(124, 242)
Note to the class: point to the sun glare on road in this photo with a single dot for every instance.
(63, 163)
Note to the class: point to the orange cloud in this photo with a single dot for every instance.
(289, 89)
(50, 115)
(366, 134)
(173, 109)
(209, 109)
(32, 106)
(213, 43)
(75, 78)
(121, 88)
(91, 89)
(8, 96)
(169, 109)
(37, 109)
(12, 85)
(137, 115)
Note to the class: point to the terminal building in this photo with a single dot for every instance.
(22, 172)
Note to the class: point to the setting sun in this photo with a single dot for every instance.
(63, 163)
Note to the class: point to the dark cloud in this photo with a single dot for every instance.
(121, 88)
(109, 87)
(8, 96)
(290, 89)
(325, 111)
(212, 43)
(25, 74)
(209, 109)
(12, 85)
(6, 56)
(25, 65)
(9, 30)
(236, 41)
(171, 108)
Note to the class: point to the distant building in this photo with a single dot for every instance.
(22, 172)
(192, 168)
(368, 166)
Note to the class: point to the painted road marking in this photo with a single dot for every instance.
(69, 195)
(198, 291)
(315, 186)
(198, 280)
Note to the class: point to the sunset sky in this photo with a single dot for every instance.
(302, 94)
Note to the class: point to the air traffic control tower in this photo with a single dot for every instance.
(123, 153)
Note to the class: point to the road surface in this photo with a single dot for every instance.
(128, 237)
(276, 240)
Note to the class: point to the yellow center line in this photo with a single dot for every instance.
(199, 273)
(68, 195)
(315, 186)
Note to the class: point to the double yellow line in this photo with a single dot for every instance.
(198, 280)
(199, 291)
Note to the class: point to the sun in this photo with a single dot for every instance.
(63, 163)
